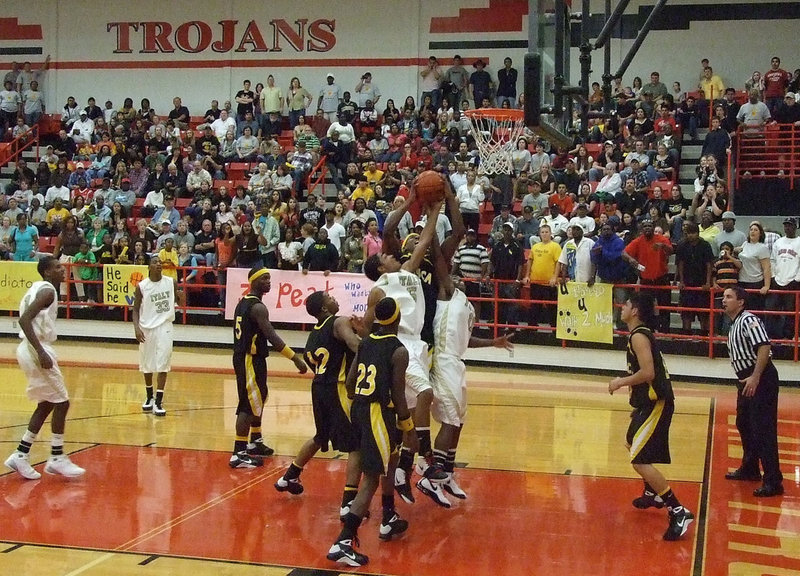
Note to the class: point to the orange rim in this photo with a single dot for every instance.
(495, 113)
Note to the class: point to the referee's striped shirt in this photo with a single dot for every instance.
(746, 335)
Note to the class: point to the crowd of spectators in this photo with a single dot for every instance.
(120, 184)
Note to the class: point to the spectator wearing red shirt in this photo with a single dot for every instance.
(665, 119)
(776, 81)
(649, 254)
(562, 199)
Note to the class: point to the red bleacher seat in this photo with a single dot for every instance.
(241, 183)
(182, 203)
(237, 170)
(227, 183)
(46, 244)
(594, 150)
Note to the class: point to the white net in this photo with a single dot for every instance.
(496, 132)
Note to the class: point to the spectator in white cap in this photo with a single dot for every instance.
(729, 232)
(788, 112)
(330, 96)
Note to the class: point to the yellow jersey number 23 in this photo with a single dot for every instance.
(365, 382)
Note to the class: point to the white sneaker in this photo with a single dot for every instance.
(434, 492)
(64, 466)
(19, 462)
(158, 410)
(450, 486)
(148, 405)
(421, 466)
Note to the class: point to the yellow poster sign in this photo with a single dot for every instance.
(119, 283)
(15, 279)
(585, 313)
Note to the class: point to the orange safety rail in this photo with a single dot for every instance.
(10, 151)
(770, 153)
(312, 180)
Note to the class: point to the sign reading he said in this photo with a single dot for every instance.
(119, 283)
(286, 300)
(585, 313)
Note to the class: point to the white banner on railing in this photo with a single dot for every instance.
(286, 300)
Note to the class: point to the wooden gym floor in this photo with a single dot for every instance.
(542, 460)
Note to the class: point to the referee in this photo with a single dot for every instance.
(757, 402)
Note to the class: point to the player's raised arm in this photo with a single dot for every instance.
(344, 331)
(441, 271)
(375, 296)
(425, 239)
(259, 312)
(450, 244)
(391, 244)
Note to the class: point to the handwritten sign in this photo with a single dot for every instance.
(286, 300)
(119, 283)
(585, 313)
(15, 279)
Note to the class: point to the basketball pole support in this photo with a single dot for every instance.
(561, 90)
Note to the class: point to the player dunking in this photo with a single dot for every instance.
(452, 328)
(329, 352)
(403, 251)
(653, 404)
(400, 282)
(251, 332)
(37, 359)
(377, 382)
(153, 315)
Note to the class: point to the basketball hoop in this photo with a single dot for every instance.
(496, 132)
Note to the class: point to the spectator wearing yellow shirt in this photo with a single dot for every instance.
(711, 85)
(169, 259)
(372, 173)
(362, 190)
(541, 274)
(57, 214)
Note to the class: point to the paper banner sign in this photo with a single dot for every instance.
(286, 300)
(585, 313)
(119, 283)
(15, 279)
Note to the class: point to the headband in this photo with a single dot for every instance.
(390, 319)
(257, 274)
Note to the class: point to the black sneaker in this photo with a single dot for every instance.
(435, 473)
(679, 520)
(342, 553)
(242, 460)
(260, 450)
(394, 527)
(292, 486)
(648, 500)
(402, 486)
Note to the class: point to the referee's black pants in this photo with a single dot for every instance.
(757, 422)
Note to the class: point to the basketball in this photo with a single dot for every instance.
(429, 187)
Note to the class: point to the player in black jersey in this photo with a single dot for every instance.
(377, 383)
(653, 404)
(403, 249)
(251, 332)
(329, 352)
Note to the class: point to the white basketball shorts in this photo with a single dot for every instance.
(418, 372)
(155, 353)
(43, 385)
(449, 381)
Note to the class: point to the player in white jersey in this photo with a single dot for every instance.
(398, 281)
(37, 359)
(452, 335)
(153, 315)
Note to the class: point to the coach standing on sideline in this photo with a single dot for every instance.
(757, 401)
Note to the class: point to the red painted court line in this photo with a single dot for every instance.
(155, 501)
(745, 530)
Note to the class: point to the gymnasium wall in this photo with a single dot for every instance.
(203, 50)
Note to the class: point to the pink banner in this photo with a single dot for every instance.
(286, 300)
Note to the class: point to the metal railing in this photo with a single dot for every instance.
(11, 151)
(490, 297)
(771, 152)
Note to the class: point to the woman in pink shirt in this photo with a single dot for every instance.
(372, 241)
